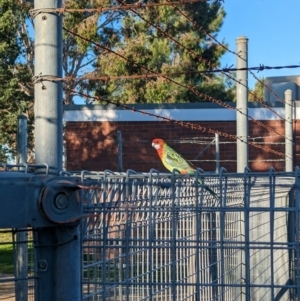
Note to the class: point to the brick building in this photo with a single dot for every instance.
(91, 136)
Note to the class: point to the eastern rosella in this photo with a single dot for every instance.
(174, 161)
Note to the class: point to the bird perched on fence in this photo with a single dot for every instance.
(174, 161)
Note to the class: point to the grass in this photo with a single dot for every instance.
(6, 254)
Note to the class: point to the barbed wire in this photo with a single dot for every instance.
(174, 4)
(182, 85)
(213, 137)
(265, 160)
(189, 125)
(196, 55)
(204, 142)
(220, 142)
(189, 88)
(228, 50)
(224, 72)
(268, 160)
(171, 74)
(263, 137)
(200, 58)
(100, 9)
(40, 79)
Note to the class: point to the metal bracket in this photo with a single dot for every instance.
(60, 202)
(37, 201)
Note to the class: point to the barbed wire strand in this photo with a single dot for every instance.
(229, 50)
(221, 142)
(203, 60)
(266, 160)
(99, 10)
(171, 74)
(225, 105)
(141, 5)
(193, 90)
(212, 66)
(174, 121)
(263, 137)
(212, 137)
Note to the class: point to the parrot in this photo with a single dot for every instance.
(174, 161)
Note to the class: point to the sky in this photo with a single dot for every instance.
(272, 27)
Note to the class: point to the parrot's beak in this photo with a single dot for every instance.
(155, 145)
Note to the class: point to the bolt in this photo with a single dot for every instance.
(42, 265)
(44, 18)
(61, 201)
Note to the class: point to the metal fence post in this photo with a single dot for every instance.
(245, 232)
(120, 152)
(48, 105)
(288, 130)
(21, 252)
(217, 142)
(296, 226)
(242, 103)
(22, 140)
(59, 247)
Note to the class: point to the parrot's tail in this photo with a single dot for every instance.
(212, 192)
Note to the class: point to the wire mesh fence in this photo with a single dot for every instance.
(154, 236)
(161, 237)
(17, 265)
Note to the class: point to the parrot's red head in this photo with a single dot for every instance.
(158, 144)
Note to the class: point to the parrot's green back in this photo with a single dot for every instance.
(175, 162)
(172, 160)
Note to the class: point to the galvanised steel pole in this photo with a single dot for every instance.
(48, 106)
(120, 151)
(242, 104)
(288, 130)
(22, 140)
(58, 248)
(217, 142)
(21, 254)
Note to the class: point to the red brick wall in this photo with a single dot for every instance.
(93, 145)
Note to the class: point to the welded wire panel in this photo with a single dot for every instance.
(154, 250)
(164, 237)
(269, 252)
(17, 265)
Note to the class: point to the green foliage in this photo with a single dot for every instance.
(146, 45)
(258, 90)
(6, 254)
(79, 55)
(16, 95)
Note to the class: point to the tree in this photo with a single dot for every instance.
(146, 42)
(79, 56)
(258, 90)
(16, 63)
(123, 31)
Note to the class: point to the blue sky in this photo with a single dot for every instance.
(272, 27)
